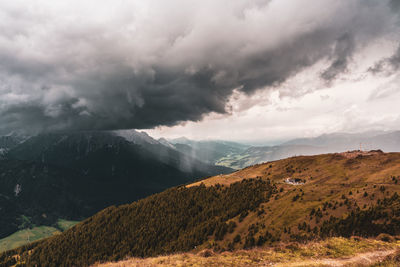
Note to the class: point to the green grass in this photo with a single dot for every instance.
(65, 225)
(26, 236)
(231, 161)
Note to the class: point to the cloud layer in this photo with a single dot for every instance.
(85, 65)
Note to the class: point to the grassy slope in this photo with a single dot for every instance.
(328, 177)
(20, 238)
(65, 224)
(232, 160)
(26, 236)
(332, 251)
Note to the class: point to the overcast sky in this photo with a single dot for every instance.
(237, 70)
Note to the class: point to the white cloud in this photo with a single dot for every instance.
(346, 106)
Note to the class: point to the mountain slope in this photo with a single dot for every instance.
(74, 175)
(295, 199)
(334, 185)
(177, 219)
(8, 142)
(38, 194)
(117, 166)
(89, 151)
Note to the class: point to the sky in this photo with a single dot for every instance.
(262, 70)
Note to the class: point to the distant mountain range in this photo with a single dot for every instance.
(387, 141)
(237, 156)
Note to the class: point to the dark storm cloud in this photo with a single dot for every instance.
(85, 65)
(390, 64)
(387, 65)
(395, 59)
(395, 4)
(342, 53)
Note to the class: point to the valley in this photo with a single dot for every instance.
(26, 236)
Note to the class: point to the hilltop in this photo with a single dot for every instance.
(332, 186)
(341, 194)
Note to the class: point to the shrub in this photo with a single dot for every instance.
(385, 237)
(237, 238)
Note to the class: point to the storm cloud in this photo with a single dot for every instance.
(395, 59)
(388, 65)
(84, 65)
(343, 51)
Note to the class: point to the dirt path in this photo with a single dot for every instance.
(362, 259)
(359, 259)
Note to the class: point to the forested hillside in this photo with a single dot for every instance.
(178, 219)
(38, 194)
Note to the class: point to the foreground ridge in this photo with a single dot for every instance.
(331, 252)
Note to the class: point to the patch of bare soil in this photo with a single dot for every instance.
(363, 259)
(359, 153)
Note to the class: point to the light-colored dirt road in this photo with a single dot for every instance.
(363, 259)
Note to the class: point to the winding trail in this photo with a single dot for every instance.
(363, 259)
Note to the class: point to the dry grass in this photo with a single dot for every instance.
(335, 168)
(327, 176)
(325, 253)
